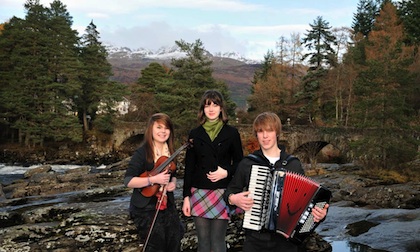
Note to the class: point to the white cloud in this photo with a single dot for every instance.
(249, 27)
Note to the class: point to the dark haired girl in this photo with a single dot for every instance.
(209, 167)
(158, 142)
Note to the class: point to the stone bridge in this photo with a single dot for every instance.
(124, 131)
(306, 141)
(300, 140)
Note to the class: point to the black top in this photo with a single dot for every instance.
(138, 165)
(204, 156)
(243, 173)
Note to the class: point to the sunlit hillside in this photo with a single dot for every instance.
(237, 74)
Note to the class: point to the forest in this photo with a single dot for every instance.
(55, 85)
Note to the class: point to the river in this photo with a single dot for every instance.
(395, 226)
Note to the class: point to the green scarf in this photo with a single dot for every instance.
(213, 128)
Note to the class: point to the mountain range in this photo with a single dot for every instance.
(168, 53)
(232, 68)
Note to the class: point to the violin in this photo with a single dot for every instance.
(163, 164)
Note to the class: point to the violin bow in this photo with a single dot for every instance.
(163, 165)
(154, 218)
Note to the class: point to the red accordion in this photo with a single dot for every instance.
(283, 201)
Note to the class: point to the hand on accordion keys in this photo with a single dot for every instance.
(241, 200)
(319, 214)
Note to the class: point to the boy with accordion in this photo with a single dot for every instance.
(257, 188)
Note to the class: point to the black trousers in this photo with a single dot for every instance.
(267, 242)
(166, 233)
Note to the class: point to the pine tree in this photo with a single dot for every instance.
(180, 95)
(379, 90)
(98, 93)
(11, 90)
(409, 11)
(319, 41)
(364, 18)
(151, 77)
(63, 68)
(38, 80)
(260, 75)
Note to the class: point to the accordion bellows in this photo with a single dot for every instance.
(283, 201)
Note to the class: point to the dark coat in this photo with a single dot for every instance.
(204, 156)
(167, 232)
(138, 165)
(243, 174)
(255, 240)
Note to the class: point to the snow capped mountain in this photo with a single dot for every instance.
(166, 53)
(233, 55)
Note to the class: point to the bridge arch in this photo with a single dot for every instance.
(299, 140)
(127, 131)
(306, 142)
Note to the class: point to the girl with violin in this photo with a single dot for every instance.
(152, 204)
(209, 166)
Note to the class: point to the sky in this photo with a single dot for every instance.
(248, 27)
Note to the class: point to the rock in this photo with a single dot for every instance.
(41, 169)
(360, 227)
(2, 195)
(86, 209)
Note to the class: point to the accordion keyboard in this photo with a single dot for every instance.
(259, 187)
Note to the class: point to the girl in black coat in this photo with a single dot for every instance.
(166, 232)
(209, 167)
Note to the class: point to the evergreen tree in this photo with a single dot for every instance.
(37, 82)
(151, 77)
(98, 93)
(379, 91)
(63, 68)
(364, 18)
(319, 41)
(11, 90)
(192, 76)
(409, 11)
(260, 75)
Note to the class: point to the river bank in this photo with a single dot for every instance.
(85, 209)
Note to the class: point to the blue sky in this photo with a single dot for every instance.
(249, 27)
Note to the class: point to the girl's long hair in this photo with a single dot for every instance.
(148, 135)
(217, 98)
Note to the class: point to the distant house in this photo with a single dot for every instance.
(121, 107)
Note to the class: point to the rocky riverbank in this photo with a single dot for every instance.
(85, 209)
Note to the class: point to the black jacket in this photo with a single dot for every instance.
(204, 156)
(241, 179)
(138, 165)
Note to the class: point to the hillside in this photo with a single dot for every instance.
(237, 74)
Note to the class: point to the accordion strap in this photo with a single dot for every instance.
(256, 158)
(287, 159)
(260, 160)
